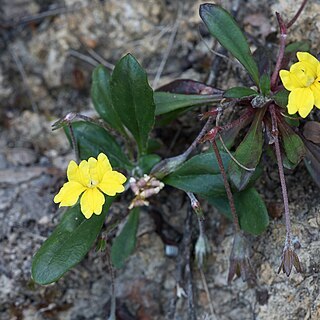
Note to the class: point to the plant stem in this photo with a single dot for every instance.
(238, 121)
(198, 138)
(227, 187)
(275, 135)
(168, 165)
(74, 143)
(296, 16)
(283, 36)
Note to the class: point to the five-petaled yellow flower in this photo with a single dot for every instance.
(303, 80)
(90, 179)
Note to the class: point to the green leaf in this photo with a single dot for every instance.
(132, 98)
(225, 29)
(294, 47)
(265, 84)
(101, 98)
(125, 243)
(93, 139)
(293, 145)
(281, 98)
(67, 245)
(248, 153)
(154, 145)
(168, 102)
(239, 92)
(251, 210)
(200, 174)
(147, 162)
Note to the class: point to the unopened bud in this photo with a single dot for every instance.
(195, 204)
(149, 192)
(133, 185)
(202, 248)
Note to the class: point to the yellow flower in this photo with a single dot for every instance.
(90, 179)
(303, 80)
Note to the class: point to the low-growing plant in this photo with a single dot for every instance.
(224, 175)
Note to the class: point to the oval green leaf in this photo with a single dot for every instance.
(251, 210)
(147, 162)
(293, 145)
(168, 102)
(67, 245)
(93, 139)
(132, 98)
(239, 92)
(125, 243)
(265, 84)
(200, 174)
(101, 98)
(226, 30)
(248, 153)
(281, 98)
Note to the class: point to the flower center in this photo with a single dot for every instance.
(308, 77)
(310, 81)
(92, 184)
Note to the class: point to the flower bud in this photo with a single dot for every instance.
(202, 249)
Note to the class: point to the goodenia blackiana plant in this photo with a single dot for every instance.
(224, 175)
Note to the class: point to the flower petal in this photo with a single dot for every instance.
(69, 194)
(91, 202)
(79, 173)
(99, 167)
(315, 88)
(301, 100)
(318, 71)
(112, 183)
(309, 60)
(289, 80)
(303, 73)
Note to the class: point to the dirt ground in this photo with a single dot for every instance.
(48, 50)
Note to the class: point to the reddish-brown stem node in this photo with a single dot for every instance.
(227, 187)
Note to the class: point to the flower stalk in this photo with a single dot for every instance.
(275, 135)
(227, 187)
(289, 257)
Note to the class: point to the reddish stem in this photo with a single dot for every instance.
(283, 36)
(275, 135)
(296, 16)
(237, 122)
(227, 187)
